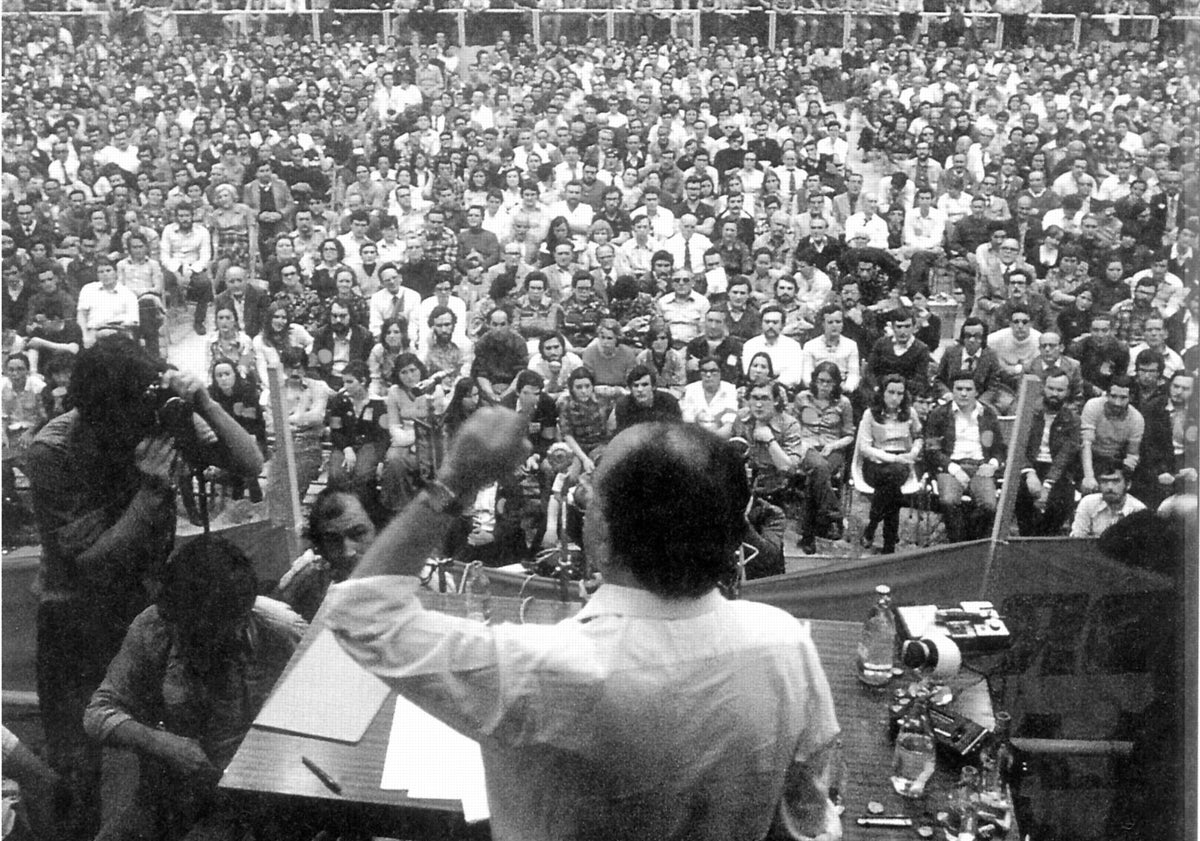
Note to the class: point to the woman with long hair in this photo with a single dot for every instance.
(242, 400)
(392, 342)
(889, 439)
(278, 334)
(413, 396)
(464, 400)
(478, 184)
(827, 425)
(557, 233)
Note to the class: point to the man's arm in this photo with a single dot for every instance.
(489, 447)
(234, 449)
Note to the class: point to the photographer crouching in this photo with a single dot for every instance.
(105, 510)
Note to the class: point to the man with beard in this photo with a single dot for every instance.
(1111, 433)
(338, 344)
(100, 477)
(645, 403)
(1096, 512)
(444, 354)
(786, 354)
(185, 251)
(1047, 487)
(1169, 447)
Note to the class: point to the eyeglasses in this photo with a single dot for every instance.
(1018, 321)
(710, 370)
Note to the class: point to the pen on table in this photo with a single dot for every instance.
(322, 775)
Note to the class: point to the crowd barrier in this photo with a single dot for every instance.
(821, 27)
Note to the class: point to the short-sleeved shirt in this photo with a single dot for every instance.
(822, 425)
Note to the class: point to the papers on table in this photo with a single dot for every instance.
(326, 694)
(431, 761)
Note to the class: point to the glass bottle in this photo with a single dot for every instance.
(913, 761)
(478, 591)
(877, 648)
(960, 819)
(995, 790)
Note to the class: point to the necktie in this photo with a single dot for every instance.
(687, 255)
(395, 306)
(792, 183)
(970, 364)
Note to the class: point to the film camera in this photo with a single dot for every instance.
(172, 414)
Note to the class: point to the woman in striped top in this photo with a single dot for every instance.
(889, 439)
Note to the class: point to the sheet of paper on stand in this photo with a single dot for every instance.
(327, 695)
(428, 759)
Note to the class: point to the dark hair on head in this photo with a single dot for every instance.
(1121, 381)
(674, 504)
(456, 412)
(388, 324)
(358, 369)
(624, 288)
(210, 578)
(501, 287)
(901, 314)
(1111, 466)
(527, 377)
(292, 357)
(583, 372)
(341, 250)
(1149, 357)
(110, 382)
(403, 361)
(972, 321)
(1013, 309)
(762, 354)
(639, 372)
(878, 410)
(831, 368)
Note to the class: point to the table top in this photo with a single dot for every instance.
(268, 761)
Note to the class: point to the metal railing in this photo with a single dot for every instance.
(820, 26)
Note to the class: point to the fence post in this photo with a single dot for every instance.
(772, 27)
(537, 26)
(316, 25)
(847, 23)
(387, 24)
(1154, 28)
(610, 24)
(1000, 33)
(696, 30)
(1077, 31)
(460, 18)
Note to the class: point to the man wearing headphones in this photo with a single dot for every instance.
(776, 445)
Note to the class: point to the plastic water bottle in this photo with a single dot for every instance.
(877, 648)
(914, 760)
(478, 591)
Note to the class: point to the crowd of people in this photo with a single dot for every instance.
(595, 234)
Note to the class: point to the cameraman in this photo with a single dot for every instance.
(105, 510)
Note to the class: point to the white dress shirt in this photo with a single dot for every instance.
(640, 717)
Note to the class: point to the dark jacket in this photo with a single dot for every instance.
(1064, 443)
(939, 436)
(321, 357)
(1158, 448)
(347, 428)
(986, 373)
(254, 308)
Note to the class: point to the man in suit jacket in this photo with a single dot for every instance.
(32, 228)
(1168, 209)
(249, 302)
(338, 344)
(961, 461)
(271, 201)
(1046, 492)
(971, 355)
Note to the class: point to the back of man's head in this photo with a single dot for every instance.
(673, 497)
(109, 385)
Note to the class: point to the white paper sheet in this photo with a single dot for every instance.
(327, 695)
(429, 760)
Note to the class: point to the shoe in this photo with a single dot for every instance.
(865, 540)
(200, 329)
(836, 530)
(256, 492)
(888, 550)
(808, 545)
